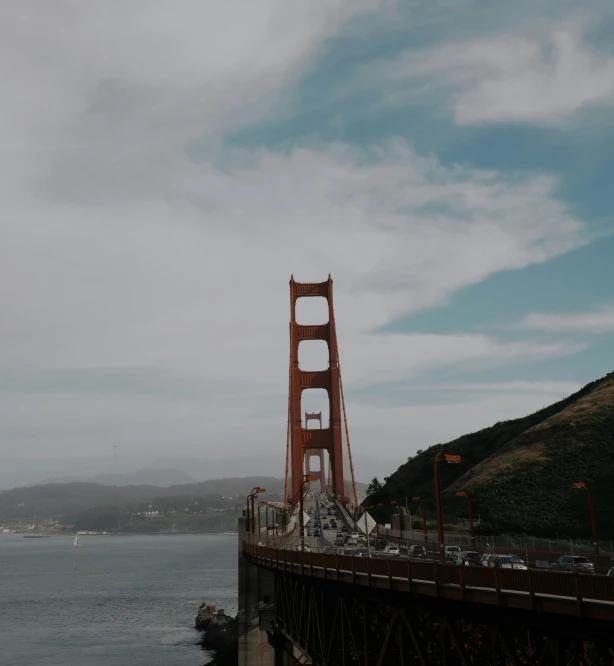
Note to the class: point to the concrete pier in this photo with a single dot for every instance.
(256, 610)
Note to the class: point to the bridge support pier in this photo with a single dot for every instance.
(256, 610)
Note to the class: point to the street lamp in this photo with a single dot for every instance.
(248, 525)
(416, 498)
(591, 508)
(251, 497)
(267, 518)
(441, 458)
(306, 479)
(462, 493)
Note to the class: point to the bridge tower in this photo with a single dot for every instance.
(326, 439)
(315, 453)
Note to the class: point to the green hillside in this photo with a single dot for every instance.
(519, 472)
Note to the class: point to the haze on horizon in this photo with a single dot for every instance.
(167, 167)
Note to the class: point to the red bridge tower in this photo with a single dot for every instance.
(302, 442)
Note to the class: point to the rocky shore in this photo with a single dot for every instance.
(220, 635)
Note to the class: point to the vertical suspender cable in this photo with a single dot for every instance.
(289, 414)
(347, 434)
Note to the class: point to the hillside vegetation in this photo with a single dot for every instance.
(520, 472)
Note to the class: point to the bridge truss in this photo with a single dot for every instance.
(339, 611)
(334, 626)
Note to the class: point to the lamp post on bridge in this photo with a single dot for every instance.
(439, 459)
(266, 504)
(591, 508)
(306, 479)
(251, 497)
(462, 493)
(248, 522)
(416, 498)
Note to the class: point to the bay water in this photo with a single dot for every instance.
(117, 601)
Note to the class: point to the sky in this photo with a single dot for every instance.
(168, 166)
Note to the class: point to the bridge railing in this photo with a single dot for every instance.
(533, 582)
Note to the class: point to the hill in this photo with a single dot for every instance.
(519, 473)
(66, 499)
(144, 477)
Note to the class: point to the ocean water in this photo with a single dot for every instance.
(118, 601)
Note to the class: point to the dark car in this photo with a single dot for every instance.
(471, 558)
(417, 552)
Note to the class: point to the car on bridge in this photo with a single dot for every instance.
(417, 552)
(451, 552)
(472, 558)
(569, 563)
(503, 562)
(392, 550)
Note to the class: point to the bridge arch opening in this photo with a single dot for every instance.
(313, 355)
(312, 311)
(316, 400)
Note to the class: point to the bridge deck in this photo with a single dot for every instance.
(582, 595)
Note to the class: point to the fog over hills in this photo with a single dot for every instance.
(17, 471)
(144, 477)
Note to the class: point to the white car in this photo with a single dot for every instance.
(392, 550)
(504, 562)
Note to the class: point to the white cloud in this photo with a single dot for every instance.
(515, 78)
(121, 252)
(598, 321)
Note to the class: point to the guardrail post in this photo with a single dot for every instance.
(578, 593)
(531, 588)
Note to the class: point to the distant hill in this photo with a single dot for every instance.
(64, 499)
(67, 499)
(519, 472)
(145, 477)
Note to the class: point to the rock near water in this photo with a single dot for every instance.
(220, 634)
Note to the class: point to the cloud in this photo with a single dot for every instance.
(515, 78)
(598, 321)
(144, 264)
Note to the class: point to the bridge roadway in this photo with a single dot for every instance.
(337, 610)
(584, 595)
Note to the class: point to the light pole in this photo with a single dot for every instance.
(462, 493)
(439, 458)
(259, 505)
(306, 479)
(253, 495)
(591, 508)
(248, 523)
(416, 498)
